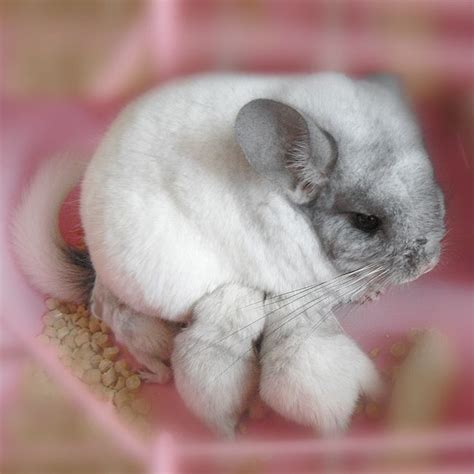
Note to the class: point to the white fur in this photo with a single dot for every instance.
(215, 366)
(35, 227)
(320, 384)
(311, 372)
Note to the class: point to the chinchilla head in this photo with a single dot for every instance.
(369, 189)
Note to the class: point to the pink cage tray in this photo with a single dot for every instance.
(443, 299)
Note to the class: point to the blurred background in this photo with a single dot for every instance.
(106, 51)
(68, 66)
(58, 48)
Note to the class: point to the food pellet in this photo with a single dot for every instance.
(84, 345)
(78, 330)
(109, 377)
(103, 327)
(69, 341)
(101, 339)
(105, 365)
(51, 303)
(120, 383)
(53, 315)
(92, 376)
(121, 366)
(111, 352)
(374, 352)
(85, 350)
(76, 317)
(50, 317)
(59, 323)
(94, 325)
(86, 364)
(133, 382)
(95, 347)
(63, 308)
(399, 349)
(83, 323)
(95, 360)
(81, 339)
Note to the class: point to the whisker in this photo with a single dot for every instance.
(320, 286)
(381, 278)
(320, 322)
(310, 287)
(317, 301)
(324, 286)
(328, 285)
(314, 302)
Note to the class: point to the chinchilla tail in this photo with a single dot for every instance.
(54, 268)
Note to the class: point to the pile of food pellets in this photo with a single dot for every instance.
(393, 357)
(84, 345)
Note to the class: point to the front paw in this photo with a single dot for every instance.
(214, 363)
(214, 381)
(316, 381)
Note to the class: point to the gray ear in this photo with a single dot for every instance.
(284, 147)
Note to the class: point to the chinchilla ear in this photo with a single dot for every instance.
(285, 147)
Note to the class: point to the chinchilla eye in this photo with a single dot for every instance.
(365, 223)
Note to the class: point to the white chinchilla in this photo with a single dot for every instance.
(250, 206)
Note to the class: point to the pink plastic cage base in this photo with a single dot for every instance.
(442, 299)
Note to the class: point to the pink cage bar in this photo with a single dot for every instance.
(443, 298)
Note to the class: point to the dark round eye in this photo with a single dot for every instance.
(365, 223)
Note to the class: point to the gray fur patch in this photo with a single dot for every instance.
(283, 146)
(83, 276)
